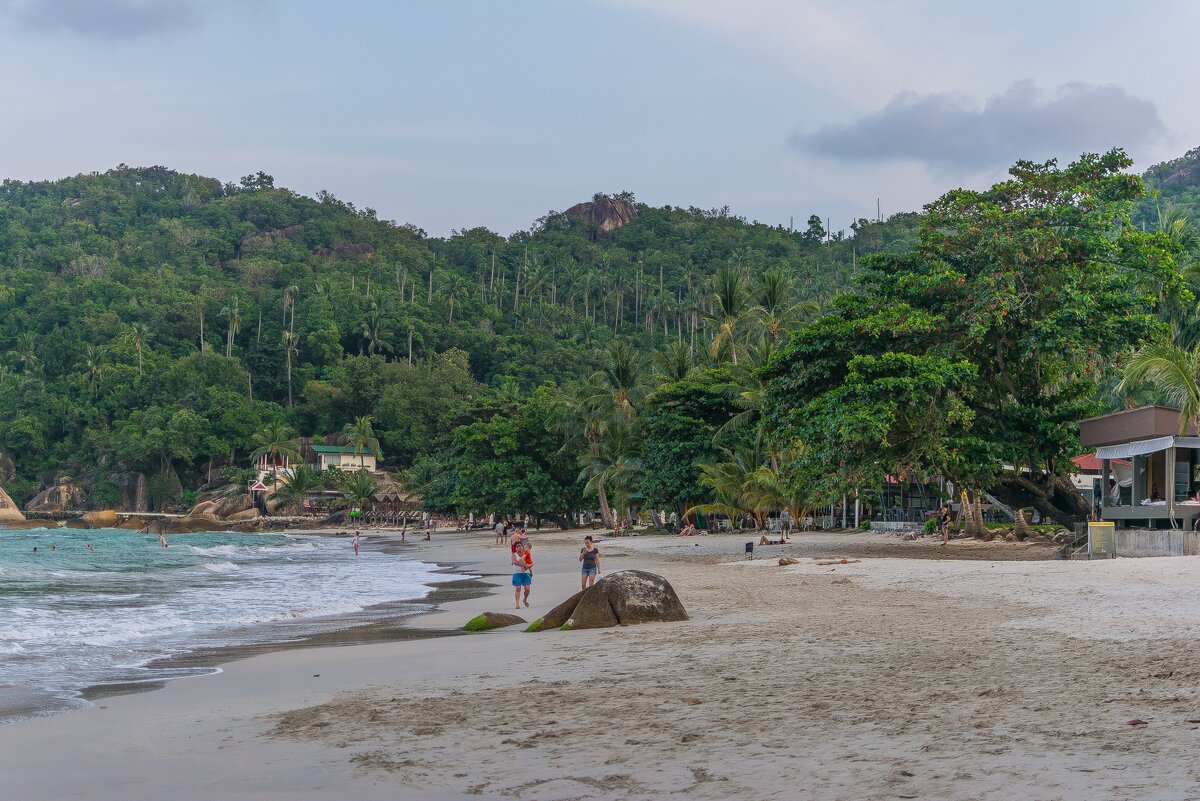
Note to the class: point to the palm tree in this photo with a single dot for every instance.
(732, 304)
(675, 363)
(140, 334)
(361, 436)
(1175, 373)
(25, 353)
(453, 288)
(359, 487)
(291, 347)
(304, 480)
(777, 309)
(276, 440)
(619, 386)
(92, 365)
(235, 324)
(375, 331)
(738, 483)
(613, 464)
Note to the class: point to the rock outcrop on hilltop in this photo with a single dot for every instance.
(606, 213)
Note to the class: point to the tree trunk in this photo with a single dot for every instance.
(966, 519)
(1054, 496)
(984, 532)
(606, 514)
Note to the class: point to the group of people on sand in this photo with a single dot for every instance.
(521, 550)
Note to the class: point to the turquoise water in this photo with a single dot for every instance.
(71, 617)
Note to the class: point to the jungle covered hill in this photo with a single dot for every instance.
(154, 321)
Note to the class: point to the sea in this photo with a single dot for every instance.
(75, 618)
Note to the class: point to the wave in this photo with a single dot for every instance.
(220, 567)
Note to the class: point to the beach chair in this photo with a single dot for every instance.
(750, 550)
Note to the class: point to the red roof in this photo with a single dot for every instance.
(1090, 462)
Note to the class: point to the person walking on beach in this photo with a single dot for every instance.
(356, 536)
(522, 574)
(500, 530)
(589, 555)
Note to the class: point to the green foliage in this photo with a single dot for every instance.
(985, 345)
(931, 525)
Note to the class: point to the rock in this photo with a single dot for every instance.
(168, 525)
(133, 524)
(492, 620)
(244, 515)
(606, 213)
(101, 519)
(132, 486)
(558, 615)
(787, 560)
(78, 522)
(627, 598)
(9, 513)
(249, 527)
(25, 525)
(228, 507)
(336, 519)
(204, 508)
(200, 523)
(58, 498)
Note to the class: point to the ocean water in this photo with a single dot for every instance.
(72, 618)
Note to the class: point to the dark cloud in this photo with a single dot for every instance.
(952, 132)
(104, 19)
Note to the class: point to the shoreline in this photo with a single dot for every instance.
(374, 623)
(894, 674)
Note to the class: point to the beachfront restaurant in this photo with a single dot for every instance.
(1149, 471)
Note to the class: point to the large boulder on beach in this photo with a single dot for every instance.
(25, 525)
(133, 524)
(627, 598)
(226, 508)
(558, 615)
(204, 508)
(168, 525)
(9, 513)
(105, 518)
(244, 515)
(78, 522)
(492, 620)
(201, 523)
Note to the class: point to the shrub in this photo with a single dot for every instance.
(931, 526)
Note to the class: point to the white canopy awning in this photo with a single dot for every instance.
(1144, 446)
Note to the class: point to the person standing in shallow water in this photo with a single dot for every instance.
(589, 555)
(356, 536)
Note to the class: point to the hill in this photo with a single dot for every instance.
(152, 321)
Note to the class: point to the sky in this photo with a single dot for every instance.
(462, 113)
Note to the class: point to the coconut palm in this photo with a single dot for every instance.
(92, 365)
(140, 334)
(304, 480)
(291, 347)
(375, 331)
(1174, 372)
(777, 310)
(276, 440)
(235, 324)
(675, 363)
(731, 303)
(619, 386)
(359, 487)
(454, 288)
(736, 483)
(614, 464)
(360, 435)
(25, 353)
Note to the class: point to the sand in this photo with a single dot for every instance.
(898, 676)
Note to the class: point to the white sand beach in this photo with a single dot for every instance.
(897, 676)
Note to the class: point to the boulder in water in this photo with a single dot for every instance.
(102, 519)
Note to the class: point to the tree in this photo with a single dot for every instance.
(731, 305)
(277, 441)
(979, 349)
(303, 481)
(1174, 372)
(235, 324)
(139, 334)
(359, 487)
(613, 464)
(291, 348)
(375, 331)
(454, 287)
(360, 435)
(92, 365)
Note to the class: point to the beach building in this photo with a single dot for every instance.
(1149, 472)
(343, 457)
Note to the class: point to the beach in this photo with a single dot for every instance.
(996, 674)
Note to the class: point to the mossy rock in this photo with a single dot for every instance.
(492, 620)
(535, 625)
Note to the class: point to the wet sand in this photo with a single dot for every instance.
(890, 677)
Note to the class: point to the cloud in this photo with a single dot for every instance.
(104, 19)
(950, 132)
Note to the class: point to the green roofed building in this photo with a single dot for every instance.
(344, 457)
